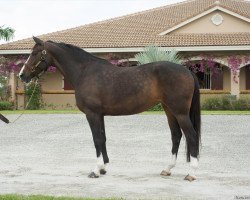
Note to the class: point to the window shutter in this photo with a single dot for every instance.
(217, 81)
(248, 77)
(67, 85)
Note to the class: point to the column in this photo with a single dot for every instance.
(12, 84)
(235, 84)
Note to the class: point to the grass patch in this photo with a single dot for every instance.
(225, 112)
(206, 112)
(41, 197)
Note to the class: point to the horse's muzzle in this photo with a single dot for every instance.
(24, 78)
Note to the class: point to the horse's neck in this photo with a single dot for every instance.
(69, 67)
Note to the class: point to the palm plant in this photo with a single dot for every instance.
(154, 54)
(6, 33)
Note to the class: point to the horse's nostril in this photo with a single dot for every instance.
(20, 75)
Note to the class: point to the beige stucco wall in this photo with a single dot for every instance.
(204, 25)
(52, 81)
(59, 101)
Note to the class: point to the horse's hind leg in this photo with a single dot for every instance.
(192, 144)
(96, 123)
(176, 135)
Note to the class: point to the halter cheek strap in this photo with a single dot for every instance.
(42, 59)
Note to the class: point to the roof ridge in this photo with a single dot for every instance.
(105, 20)
(132, 14)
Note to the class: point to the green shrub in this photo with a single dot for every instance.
(5, 105)
(155, 53)
(35, 103)
(226, 103)
(211, 104)
(157, 107)
(242, 104)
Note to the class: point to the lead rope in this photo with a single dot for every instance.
(33, 92)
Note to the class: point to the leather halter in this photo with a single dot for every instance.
(42, 59)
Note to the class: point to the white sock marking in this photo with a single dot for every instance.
(193, 166)
(99, 165)
(173, 163)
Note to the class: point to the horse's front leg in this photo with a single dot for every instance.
(96, 123)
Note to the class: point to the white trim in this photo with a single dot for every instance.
(194, 48)
(202, 15)
(140, 49)
(15, 51)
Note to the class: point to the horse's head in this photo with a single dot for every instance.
(38, 62)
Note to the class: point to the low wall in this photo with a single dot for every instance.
(52, 99)
(245, 94)
(206, 94)
(65, 99)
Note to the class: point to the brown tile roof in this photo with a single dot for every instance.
(143, 28)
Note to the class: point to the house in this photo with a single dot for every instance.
(201, 30)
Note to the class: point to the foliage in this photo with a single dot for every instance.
(207, 64)
(4, 89)
(226, 103)
(157, 107)
(118, 60)
(11, 64)
(154, 54)
(34, 90)
(5, 105)
(8, 65)
(6, 33)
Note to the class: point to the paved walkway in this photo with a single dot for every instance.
(53, 154)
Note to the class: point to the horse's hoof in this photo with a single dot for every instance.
(165, 173)
(103, 171)
(93, 175)
(190, 178)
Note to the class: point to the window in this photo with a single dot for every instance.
(204, 80)
(209, 80)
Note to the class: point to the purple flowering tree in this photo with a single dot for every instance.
(207, 64)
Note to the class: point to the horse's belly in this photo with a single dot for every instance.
(129, 107)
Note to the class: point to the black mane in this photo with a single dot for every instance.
(77, 52)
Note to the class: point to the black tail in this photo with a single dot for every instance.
(4, 119)
(195, 115)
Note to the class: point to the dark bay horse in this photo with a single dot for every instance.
(104, 89)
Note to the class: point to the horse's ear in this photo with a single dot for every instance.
(37, 40)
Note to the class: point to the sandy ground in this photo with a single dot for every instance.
(53, 154)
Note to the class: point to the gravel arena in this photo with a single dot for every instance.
(52, 154)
